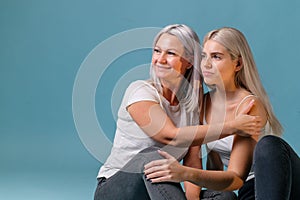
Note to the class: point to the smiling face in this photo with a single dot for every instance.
(217, 66)
(167, 58)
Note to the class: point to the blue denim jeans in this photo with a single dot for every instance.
(130, 182)
(217, 195)
(277, 172)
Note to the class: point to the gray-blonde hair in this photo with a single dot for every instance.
(248, 78)
(190, 93)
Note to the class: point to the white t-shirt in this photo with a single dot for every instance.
(129, 137)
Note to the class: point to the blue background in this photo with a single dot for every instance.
(43, 43)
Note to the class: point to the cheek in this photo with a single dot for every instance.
(153, 59)
(225, 75)
(178, 66)
(176, 62)
(201, 68)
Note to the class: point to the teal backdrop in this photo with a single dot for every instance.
(43, 44)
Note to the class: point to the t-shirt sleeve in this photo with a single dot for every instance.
(140, 91)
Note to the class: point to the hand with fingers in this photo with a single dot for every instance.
(246, 124)
(168, 169)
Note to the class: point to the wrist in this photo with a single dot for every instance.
(230, 128)
(187, 174)
(191, 175)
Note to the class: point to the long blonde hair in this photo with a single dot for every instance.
(190, 93)
(248, 78)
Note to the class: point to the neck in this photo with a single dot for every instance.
(170, 90)
(226, 93)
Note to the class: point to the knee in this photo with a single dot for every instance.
(137, 163)
(149, 149)
(149, 154)
(268, 146)
(266, 143)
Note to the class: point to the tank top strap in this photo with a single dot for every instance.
(242, 101)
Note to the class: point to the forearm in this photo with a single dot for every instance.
(215, 180)
(202, 134)
(153, 120)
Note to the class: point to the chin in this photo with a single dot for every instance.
(208, 82)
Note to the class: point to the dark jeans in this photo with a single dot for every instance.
(246, 192)
(217, 195)
(277, 172)
(130, 183)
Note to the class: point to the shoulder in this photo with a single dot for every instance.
(138, 83)
(141, 87)
(246, 99)
(141, 84)
(258, 109)
(141, 90)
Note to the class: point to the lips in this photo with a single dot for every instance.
(163, 67)
(207, 73)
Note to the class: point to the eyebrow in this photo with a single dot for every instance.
(213, 53)
(171, 49)
(217, 53)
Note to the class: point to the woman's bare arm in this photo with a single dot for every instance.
(240, 162)
(154, 122)
(170, 170)
(193, 159)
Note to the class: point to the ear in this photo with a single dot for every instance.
(239, 64)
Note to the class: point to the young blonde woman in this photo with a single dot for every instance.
(161, 112)
(229, 70)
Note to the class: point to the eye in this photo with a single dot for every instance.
(216, 57)
(203, 55)
(171, 53)
(156, 50)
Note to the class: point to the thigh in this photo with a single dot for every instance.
(277, 169)
(160, 191)
(137, 163)
(217, 195)
(165, 191)
(295, 165)
(122, 186)
(128, 183)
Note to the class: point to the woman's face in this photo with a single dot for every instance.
(167, 58)
(217, 66)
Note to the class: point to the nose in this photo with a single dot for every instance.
(206, 62)
(162, 58)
